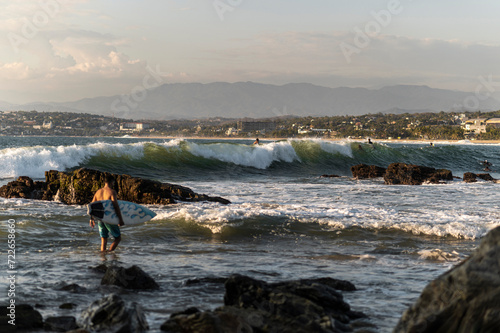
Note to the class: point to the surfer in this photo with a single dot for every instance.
(256, 142)
(107, 193)
(370, 141)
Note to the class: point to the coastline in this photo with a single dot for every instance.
(419, 141)
(416, 141)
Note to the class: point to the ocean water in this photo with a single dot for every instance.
(285, 221)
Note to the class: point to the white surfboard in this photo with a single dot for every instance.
(132, 213)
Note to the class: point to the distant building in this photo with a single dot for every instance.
(232, 131)
(494, 122)
(134, 126)
(256, 126)
(475, 126)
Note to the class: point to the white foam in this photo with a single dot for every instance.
(417, 210)
(260, 157)
(439, 255)
(34, 161)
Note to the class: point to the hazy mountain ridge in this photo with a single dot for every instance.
(249, 99)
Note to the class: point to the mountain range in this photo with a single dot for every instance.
(256, 100)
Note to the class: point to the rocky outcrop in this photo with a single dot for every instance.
(470, 177)
(256, 306)
(402, 174)
(464, 299)
(410, 174)
(112, 314)
(362, 171)
(78, 188)
(129, 278)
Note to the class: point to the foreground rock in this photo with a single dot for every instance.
(19, 318)
(60, 324)
(111, 314)
(256, 306)
(464, 299)
(129, 278)
(78, 188)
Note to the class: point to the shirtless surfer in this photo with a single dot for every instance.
(107, 193)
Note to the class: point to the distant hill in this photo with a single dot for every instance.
(249, 99)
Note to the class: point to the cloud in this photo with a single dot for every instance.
(386, 58)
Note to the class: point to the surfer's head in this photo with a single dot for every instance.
(109, 179)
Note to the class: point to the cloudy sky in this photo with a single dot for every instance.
(58, 50)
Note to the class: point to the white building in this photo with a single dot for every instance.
(134, 126)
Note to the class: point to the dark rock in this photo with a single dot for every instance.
(23, 187)
(229, 319)
(333, 283)
(74, 288)
(470, 177)
(362, 171)
(251, 305)
(330, 176)
(485, 176)
(219, 280)
(102, 268)
(23, 315)
(464, 299)
(111, 314)
(409, 174)
(130, 278)
(67, 306)
(60, 324)
(78, 188)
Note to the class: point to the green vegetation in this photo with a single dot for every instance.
(431, 126)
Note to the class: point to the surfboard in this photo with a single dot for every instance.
(132, 213)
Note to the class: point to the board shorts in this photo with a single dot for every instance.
(105, 229)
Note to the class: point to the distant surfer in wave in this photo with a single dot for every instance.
(107, 193)
(486, 165)
(256, 142)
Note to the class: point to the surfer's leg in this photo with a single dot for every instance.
(103, 232)
(104, 242)
(115, 232)
(115, 243)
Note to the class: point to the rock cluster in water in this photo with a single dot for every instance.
(250, 305)
(78, 188)
(464, 299)
(410, 174)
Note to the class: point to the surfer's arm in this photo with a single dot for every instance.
(117, 209)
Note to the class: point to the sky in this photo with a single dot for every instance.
(58, 51)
